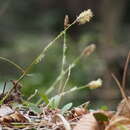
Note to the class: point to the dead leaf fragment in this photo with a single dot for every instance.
(15, 117)
(5, 110)
(118, 123)
(79, 111)
(87, 122)
(14, 95)
(123, 109)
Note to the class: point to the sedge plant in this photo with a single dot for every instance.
(83, 17)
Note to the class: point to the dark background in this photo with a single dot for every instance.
(26, 26)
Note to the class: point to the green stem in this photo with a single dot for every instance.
(37, 58)
(44, 51)
(67, 92)
(64, 85)
(73, 90)
(63, 62)
(68, 77)
(72, 65)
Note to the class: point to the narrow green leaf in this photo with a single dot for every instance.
(54, 101)
(66, 107)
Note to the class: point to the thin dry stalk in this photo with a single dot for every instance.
(125, 70)
(121, 90)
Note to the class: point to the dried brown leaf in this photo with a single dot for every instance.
(123, 109)
(14, 95)
(87, 122)
(5, 110)
(79, 111)
(119, 122)
(15, 117)
(97, 120)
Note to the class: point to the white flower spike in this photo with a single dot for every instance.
(95, 84)
(85, 16)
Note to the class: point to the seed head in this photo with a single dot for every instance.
(89, 49)
(66, 21)
(85, 16)
(95, 84)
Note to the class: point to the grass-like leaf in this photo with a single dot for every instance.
(66, 107)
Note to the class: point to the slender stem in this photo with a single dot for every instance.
(14, 64)
(72, 65)
(68, 77)
(39, 101)
(69, 91)
(74, 89)
(125, 70)
(63, 61)
(64, 85)
(44, 51)
(8, 93)
(120, 87)
(87, 51)
(37, 58)
(33, 95)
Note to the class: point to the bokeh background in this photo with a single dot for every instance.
(26, 26)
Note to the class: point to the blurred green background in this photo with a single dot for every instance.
(26, 26)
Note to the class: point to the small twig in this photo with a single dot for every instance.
(125, 70)
(121, 90)
(120, 87)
